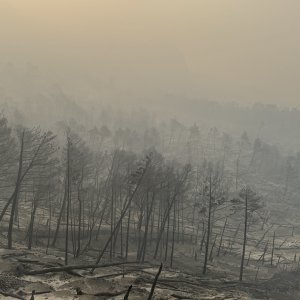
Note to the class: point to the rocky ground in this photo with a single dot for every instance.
(20, 267)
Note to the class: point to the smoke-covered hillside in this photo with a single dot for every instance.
(38, 101)
(149, 150)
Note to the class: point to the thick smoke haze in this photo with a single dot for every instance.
(150, 149)
(149, 51)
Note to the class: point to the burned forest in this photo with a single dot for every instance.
(149, 150)
(167, 212)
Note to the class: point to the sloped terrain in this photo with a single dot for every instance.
(111, 281)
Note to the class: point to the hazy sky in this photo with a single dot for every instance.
(240, 50)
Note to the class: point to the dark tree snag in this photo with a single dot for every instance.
(173, 236)
(278, 260)
(245, 237)
(31, 224)
(16, 193)
(248, 258)
(127, 233)
(273, 245)
(212, 249)
(180, 297)
(221, 240)
(202, 241)
(62, 210)
(68, 201)
(262, 257)
(208, 227)
(256, 275)
(32, 295)
(127, 293)
(154, 282)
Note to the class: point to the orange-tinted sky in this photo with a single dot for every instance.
(241, 50)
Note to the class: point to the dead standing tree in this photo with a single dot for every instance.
(8, 160)
(177, 186)
(214, 194)
(152, 186)
(248, 203)
(77, 164)
(41, 186)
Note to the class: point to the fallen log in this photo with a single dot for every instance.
(116, 274)
(73, 273)
(9, 255)
(40, 292)
(75, 267)
(180, 297)
(11, 295)
(36, 262)
(110, 294)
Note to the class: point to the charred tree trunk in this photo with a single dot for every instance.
(68, 203)
(16, 194)
(221, 240)
(163, 224)
(127, 233)
(31, 225)
(173, 236)
(167, 238)
(79, 223)
(208, 228)
(145, 239)
(62, 211)
(155, 282)
(245, 238)
(49, 224)
(273, 247)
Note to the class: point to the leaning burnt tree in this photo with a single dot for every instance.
(77, 166)
(175, 187)
(41, 187)
(136, 182)
(33, 151)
